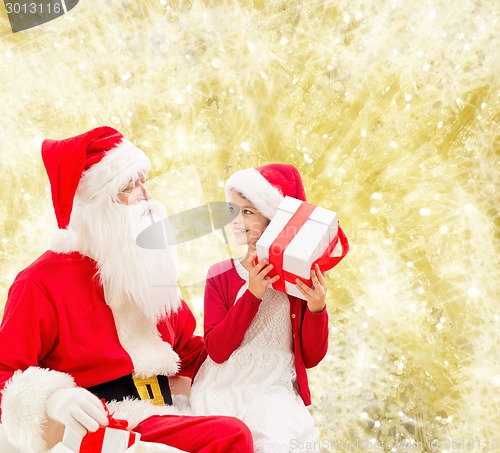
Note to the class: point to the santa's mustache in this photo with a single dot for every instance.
(146, 208)
(146, 213)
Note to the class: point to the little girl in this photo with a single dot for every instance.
(260, 341)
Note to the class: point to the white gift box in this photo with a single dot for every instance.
(297, 236)
(105, 440)
(139, 447)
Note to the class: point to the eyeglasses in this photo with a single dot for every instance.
(137, 189)
(140, 183)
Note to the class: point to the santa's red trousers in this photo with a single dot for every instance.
(213, 434)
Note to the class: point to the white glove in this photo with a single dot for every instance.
(77, 409)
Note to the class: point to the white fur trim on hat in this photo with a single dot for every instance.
(114, 171)
(257, 189)
(23, 406)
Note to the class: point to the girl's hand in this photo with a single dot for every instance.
(258, 282)
(316, 294)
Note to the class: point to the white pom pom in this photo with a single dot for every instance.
(63, 241)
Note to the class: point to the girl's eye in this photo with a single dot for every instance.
(247, 211)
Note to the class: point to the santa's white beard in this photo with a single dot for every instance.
(129, 273)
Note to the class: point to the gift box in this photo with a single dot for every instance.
(299, 236)
(114, 438)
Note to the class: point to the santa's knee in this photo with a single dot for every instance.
(235, 436)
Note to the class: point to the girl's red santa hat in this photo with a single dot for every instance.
(90, 167)
(266, 186)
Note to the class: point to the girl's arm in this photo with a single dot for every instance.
(314, 326)
(314, 337)
(225, 324)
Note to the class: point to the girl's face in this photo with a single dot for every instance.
(249, 224)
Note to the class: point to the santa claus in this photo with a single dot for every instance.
(99, 317)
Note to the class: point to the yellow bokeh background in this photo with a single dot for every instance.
(389, 109)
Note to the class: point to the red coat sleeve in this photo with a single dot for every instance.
(226, 321)
(314, 336)
(178, 330)
(28, 330)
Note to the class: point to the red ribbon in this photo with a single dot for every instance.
(131, 439)
(325, 261)
(92, 442)
(114, 422)
(277, 248)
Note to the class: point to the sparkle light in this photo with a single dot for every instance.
(390, 111)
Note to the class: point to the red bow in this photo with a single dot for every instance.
(113, 422)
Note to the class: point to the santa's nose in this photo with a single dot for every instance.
(146, 194)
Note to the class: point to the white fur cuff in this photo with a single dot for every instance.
(135, 411)
(23, 406)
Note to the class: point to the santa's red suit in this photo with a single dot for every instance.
(58, 331)
(57, 313)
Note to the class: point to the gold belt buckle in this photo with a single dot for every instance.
(149, 389)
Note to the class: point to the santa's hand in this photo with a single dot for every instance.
(77, 409)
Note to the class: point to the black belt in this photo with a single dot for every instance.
(155, 389)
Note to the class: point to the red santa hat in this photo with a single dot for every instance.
(97, 162)
(266, 186)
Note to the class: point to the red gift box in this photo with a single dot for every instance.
(300, 236)
(114, 438)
